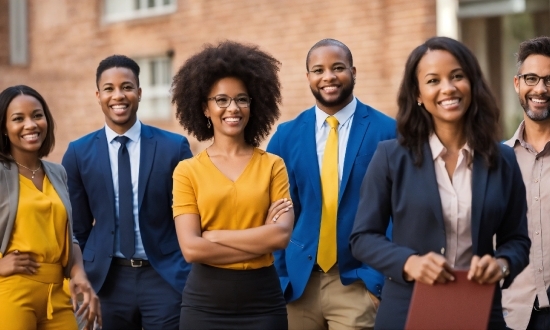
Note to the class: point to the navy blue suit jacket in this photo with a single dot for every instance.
(294, 141)
(394, 186)
(92, 197)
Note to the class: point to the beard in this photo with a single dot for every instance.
(532, 114)
(346, 92)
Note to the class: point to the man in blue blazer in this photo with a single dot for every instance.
(346, 294)
(139, 277)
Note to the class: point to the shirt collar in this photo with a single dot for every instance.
(438, 149)
(517, 137)
(133, 133)
(343, 115)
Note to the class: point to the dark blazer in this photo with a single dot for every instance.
(294, 141)
(9, 201)
(92, 196)
(394, 187)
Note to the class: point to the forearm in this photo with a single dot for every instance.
(78, 265)
(201, 250)
(260, 240)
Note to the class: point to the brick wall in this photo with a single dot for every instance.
(68, 39)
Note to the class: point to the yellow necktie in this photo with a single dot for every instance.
(326, 252)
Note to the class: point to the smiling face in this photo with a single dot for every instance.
(535, 100)
(331, 78)
(444, 89)
(232, 120)
(26, 125)
(119, 96)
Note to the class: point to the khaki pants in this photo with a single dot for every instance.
(327, 304)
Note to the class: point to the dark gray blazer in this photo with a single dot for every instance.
(9, 199)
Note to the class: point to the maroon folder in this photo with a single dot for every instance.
(461, 304)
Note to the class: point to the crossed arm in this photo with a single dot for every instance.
(231, 246)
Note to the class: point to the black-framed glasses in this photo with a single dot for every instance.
(532, 79)
(223, 101)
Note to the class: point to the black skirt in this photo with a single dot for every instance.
(218, 298)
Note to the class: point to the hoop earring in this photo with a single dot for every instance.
(208, 122)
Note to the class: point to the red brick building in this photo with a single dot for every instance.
(55, 46)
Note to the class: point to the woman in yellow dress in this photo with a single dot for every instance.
(37, 250)
(231, 201)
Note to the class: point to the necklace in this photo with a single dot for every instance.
(33, 171)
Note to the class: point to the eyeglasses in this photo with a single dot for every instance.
(532, 79)
(336, 69)
(223, 101)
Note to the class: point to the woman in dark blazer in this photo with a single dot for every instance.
(446, 183)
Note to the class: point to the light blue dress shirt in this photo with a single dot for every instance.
(134, 151)
(322, 128)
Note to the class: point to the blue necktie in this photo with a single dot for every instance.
(125, 200)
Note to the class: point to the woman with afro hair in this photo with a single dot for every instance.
(232, 205)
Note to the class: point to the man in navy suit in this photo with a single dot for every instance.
(345, 294)
(118, 176)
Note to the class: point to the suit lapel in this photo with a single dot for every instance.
(310, 152)
(480, 174)
(105, 165)
(147, 154)
(429, 180)
(357, 133)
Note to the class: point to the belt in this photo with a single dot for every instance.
(537, 309)
(135, 263)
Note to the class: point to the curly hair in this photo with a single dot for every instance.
(6, 97)
(256, 69)
(415, 125)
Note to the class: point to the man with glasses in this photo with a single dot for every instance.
(327, 150)
(526, 302)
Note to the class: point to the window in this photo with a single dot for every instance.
(120, 10)
(18, 32)
(155, 80)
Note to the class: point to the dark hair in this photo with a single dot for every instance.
(116, 61)
(415, 124)
(255, 68)
(6, 97)
(330, 42)
(535, 46)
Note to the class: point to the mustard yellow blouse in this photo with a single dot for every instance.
(40, 224)
(200, 188)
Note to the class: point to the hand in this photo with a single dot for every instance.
(90, 309)
(276, 209)
(429, 269)
(485, 270)
(374, 299)
(18, 263)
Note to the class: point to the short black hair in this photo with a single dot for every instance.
(255, 68)
(330, 42)
(535, 46)
(6, 97)
(117, 61)
(481, 120)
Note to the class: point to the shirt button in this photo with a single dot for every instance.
(536, 199)
(540, 270)
(536, 180)
(442, 250)
(537, 232)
